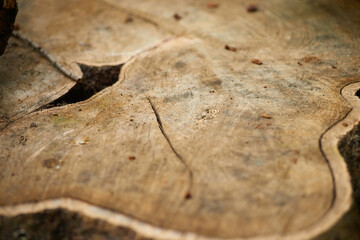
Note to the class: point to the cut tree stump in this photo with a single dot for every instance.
(224, 122)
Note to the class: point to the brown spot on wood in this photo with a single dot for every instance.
(187, 195)
(294, 160)
(256, 61)
(131, 119)
(252, 8)
(333, 66)
(51, 163)
(345, 124)
(131, 158)
(212, 5)
(229, 48)
(264, 115)
(311, 59)
(300, 63)
(177, 17)
(33, 125)
(180, 64)
(128, 19)
(23, 140)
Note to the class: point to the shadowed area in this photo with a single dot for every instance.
(62, 224)
(94, 80)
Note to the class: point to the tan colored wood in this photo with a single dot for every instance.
(224, 148)
(20, 93)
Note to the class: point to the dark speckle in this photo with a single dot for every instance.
(187, 195)
(252, 8)
(215, 83)
(180, 64)
(52, 163)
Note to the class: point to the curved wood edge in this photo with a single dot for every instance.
(328, 144)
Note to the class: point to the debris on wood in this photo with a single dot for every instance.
(256, 61)
(311, 59)
(212, 5)
(51, 163)
(185, 135)
(264, 115)
(252, 8)
(128, 19)
(82, 141)
(345, 124)
(187, 195)
(229, 48)
(84, 44)
(23, 140)
(177, 17)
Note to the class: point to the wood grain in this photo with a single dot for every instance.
(193, 141)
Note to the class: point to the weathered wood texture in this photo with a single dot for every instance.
(194, 141)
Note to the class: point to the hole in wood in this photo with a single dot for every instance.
(357, 93)
(94, 80)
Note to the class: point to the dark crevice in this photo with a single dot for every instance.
(349, 148)
(93, 81)
(357, 93)
(187, 195)
(61, 224)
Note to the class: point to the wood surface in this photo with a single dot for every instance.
(195, 140)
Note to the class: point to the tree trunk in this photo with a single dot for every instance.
(190, 120)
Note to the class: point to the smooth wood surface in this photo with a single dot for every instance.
(194, 141)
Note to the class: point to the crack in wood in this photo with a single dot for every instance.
(45, 54)
(188, 194)
(328, 145)
(94, 80)
(327, 160)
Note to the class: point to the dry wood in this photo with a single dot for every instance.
(188, 143)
